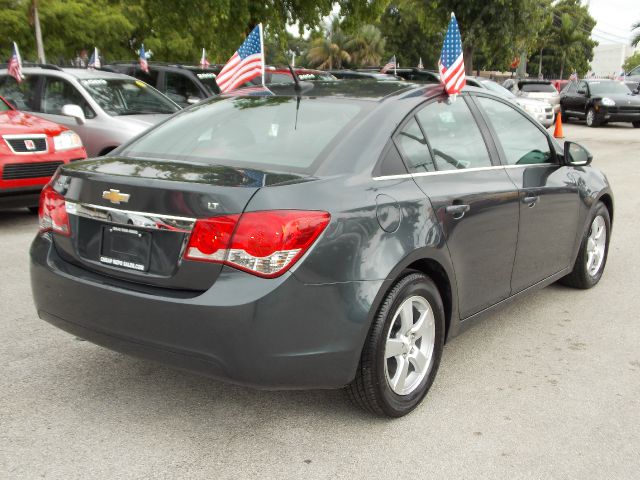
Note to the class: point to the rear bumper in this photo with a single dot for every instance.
(273, 334)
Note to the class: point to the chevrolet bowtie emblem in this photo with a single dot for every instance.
(114, 196)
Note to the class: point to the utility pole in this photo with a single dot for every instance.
(36, 22)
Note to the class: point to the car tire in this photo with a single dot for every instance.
(33, 209)
(393, 385)
(594, 248)
(592, 118)
(636, 124)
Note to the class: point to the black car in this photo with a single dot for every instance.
(600, 101)
(318, 239)
(184, 84)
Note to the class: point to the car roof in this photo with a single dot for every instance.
(79, 73)
(366, 89)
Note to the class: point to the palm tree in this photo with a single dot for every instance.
(635, 40)
(569, 37)
(366, 46)
(330, 51)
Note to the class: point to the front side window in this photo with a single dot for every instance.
(127, 97)
(21, 95)
(180, 88)
(58, 93)
(522, 142)
(454, 136)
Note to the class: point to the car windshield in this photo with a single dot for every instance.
(127, 97)
(258, 132)
(602, 88)
(209, 81)
(538, 87)
(499, 89)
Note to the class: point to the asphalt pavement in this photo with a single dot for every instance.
(547, 388)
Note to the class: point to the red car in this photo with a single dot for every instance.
(31, 149)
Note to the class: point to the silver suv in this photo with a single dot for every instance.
(542, 90)
(106, 109)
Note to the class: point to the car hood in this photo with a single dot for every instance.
(522, 101)
(141, 122)
(14, 122)
(622, 98)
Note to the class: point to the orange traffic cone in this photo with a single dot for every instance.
(557, 132)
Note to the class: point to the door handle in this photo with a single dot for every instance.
(457, 211)
(530, 200)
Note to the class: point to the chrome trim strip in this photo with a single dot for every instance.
(462, 170)
(27, 136)
(154, 221)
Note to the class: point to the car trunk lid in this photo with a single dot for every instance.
(132, 218)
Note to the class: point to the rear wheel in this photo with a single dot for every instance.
(592, 118)
(402, 353)
(594, 248)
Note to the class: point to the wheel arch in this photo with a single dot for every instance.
(607, 199)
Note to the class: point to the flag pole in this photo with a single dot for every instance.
(262, 52)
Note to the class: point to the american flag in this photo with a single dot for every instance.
(204, 63)
(389, 65)
(15, 64)
(144, 66)
(245, 65)
(573, 77)
(451, 63)
(94, 61)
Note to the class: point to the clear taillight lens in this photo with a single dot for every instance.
(264, 243)
(52, 212)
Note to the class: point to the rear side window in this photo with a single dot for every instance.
(522, 142)
(150, 77)
(414, 148)
(454, 136)
(251, 131)
(20, 95)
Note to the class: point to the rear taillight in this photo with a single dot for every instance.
(53, 213)
(266, 243)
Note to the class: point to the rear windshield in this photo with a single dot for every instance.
(258, 132)
(538, 87)
(127, 97)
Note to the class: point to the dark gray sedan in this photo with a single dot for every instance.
(325, 239)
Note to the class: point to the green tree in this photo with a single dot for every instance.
(631, 62)
(635, 40)
(329, 50)
(366, 46)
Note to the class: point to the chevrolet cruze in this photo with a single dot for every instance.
(334, 235)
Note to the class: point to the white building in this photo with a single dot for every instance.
(609, 57)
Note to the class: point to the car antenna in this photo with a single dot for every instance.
(298, 89)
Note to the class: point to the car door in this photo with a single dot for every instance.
(549, 200)
(474, 199)
(57, 92)
(568, 97)
(581, 98)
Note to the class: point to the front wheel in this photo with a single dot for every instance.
(402, 352)
(592, 118)
(594, 249)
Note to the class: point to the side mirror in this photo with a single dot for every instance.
(576, 155)
(193, 100)
(74, 111)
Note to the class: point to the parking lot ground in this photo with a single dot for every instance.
(547, 388)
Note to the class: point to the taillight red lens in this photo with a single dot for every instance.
(264, 243)
(52, 212)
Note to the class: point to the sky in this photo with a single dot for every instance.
(614, 18)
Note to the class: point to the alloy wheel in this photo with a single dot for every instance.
(596, 245)
(409, 346)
